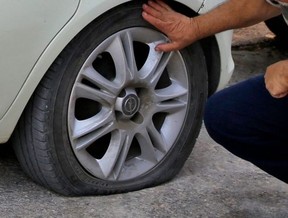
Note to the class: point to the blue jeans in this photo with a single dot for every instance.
(246, 120)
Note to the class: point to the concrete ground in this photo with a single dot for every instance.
(213, 183)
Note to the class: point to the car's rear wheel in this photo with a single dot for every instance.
(113, 115)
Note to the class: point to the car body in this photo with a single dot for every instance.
(34, 33)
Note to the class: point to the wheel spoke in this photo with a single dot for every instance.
(85, 141)
(171, 106)
(84, 91)
(161, 67)
(148, 151)
(123, 142)
(154, 66)
(95, 123)
(97, 79)
(174, 91)
(156, 137)
(121, 50)
(112, 162)
(127, 40)
(169, 98)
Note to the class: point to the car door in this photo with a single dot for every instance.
(26, 29)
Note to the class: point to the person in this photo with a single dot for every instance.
(249, 119)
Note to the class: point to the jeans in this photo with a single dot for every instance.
(247, 121)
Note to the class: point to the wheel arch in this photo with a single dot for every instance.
(210, 48)
(217, 49)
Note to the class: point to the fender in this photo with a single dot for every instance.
(26, 30)
(224, 41)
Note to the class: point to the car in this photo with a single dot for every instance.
(89, 106)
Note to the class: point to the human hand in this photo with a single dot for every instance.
(276, 79)
(176, 26)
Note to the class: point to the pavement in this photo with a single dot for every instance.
(213, 182)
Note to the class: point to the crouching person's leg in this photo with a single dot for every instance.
(251, 124)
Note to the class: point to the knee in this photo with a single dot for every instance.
(214, 117)
(212, 113)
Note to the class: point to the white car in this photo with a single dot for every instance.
(89, 105)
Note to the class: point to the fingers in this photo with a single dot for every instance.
(276, 93)
(152, 15)
(167, 47)
(160, 5)
(154, 21)
(282, 95)
(167, 21)
(150, 18)
(151, 11)
(275, 89)
(156, 9)
(276, 79)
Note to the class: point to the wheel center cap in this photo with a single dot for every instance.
(130, 105)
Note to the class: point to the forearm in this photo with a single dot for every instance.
(233, 14)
